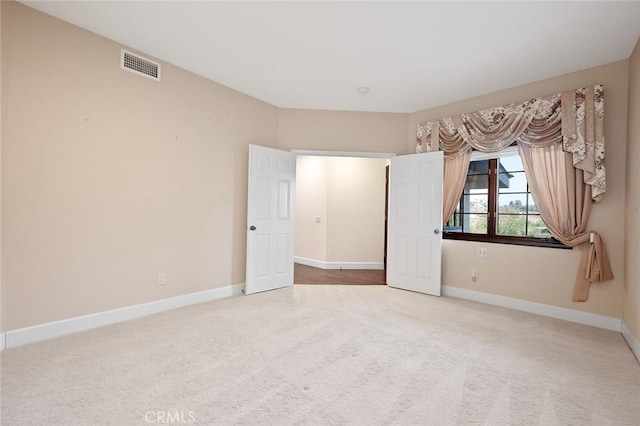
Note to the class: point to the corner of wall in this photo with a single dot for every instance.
(2, 129)
(632, 341)
(411, 136)
(631, 303)
(192, 172)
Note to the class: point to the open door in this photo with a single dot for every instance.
(270, 219)
(415, 222)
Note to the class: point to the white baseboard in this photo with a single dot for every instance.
(633, 342)
(355, 265)
(586, 318)
(338, 265)
(50, 330)
(310, 262)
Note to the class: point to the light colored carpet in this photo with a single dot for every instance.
(328, 355)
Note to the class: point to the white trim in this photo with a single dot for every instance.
(338, 265)
(310, 262)
(2, 341)
(586, 318)
(343, 153)
(633, 342)
(50, 330)
(355, 265)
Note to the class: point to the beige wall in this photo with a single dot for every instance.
(546, 275)
(355, 205)
(2, 129)
(109, 178)
(348, 194)
(311, 202)
(632, 253)
(342, 131)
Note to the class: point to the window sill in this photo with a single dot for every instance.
(549, 243)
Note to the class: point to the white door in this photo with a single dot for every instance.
(270, 219)
(414, 242)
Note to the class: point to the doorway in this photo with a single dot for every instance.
(414, 223)
(304, 274)
(340, 218)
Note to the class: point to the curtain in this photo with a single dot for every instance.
(564, 204)
(570, 122)
(574, 118)
(455, 176)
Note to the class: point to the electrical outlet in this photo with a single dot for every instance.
(474, 275)
(162, 278)
(482, 252)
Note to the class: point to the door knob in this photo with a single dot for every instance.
(252, 228)
(436, 231)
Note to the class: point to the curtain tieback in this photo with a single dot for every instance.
(594, 267)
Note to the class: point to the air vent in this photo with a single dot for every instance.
(139, 65)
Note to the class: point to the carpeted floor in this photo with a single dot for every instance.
(361, 355)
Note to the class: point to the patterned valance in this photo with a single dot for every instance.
(574, 118)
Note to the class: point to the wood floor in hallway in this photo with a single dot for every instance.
(309, 275)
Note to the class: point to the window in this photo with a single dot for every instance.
(496, 204)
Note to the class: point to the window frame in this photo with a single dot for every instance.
(492, 209)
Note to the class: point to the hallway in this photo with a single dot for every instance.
(309, 275)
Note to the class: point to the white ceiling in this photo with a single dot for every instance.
(413, 55)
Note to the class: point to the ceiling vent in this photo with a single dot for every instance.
(139, 65)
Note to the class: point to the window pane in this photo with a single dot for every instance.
(512, 203)
(475, 223)
(478, 168)
(475, 203)
(532, 205)
(512, 224)
(512, 182)
(537, 228)
(476, 183)
(511, 164)
(454, 224)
